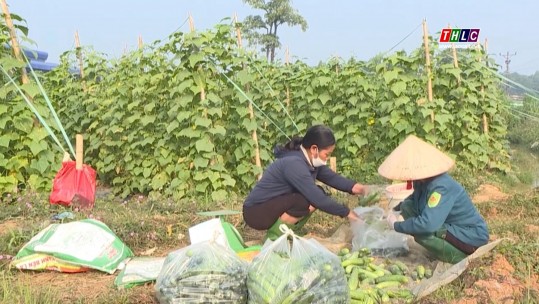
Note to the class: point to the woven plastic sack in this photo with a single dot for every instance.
(300, 272)
(373, 232)
(89, 243)
(202, 273)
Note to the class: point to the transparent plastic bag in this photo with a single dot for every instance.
(301, 272)
(373, 233)
(202, 273)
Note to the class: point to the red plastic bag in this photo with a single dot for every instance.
(72, 186)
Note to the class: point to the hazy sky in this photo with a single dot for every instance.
(340, 27)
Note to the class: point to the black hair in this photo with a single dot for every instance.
(318, 135)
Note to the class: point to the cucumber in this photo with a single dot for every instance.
(420, 271)
(358, 294)
(354, 279)
(402, 267)
(387, 284)
(344, 251)
(394, 269)
(393, 277)
(353, 261)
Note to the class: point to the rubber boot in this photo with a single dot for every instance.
(274, 232)
(441, 249)
(297, 227)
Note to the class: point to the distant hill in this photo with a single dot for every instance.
(531, 82)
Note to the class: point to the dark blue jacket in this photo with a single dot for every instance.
(441, 201)
(291, 172)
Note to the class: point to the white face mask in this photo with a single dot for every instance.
(318, 162)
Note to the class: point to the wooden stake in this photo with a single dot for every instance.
(140, 43)
(333, 163)
(254, 134)
(427, 64)
(287, 62)
(79, 58)
(79, 152)
(333, 166)
(191, 23)
(455, 59)
(287, 101)
(485, 118)
(14, 42)
(238, 31)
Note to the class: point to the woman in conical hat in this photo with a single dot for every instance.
(439, 213)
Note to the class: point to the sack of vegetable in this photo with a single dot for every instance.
(374, 233)
(301, 272)
(202, 273)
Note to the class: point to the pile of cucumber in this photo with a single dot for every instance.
(378, 283)
(202, 273)
(308, 278)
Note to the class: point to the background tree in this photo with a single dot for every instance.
(262, 30)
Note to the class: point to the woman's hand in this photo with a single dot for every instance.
(352, 216)
(359, 189)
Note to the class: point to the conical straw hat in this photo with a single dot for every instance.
(415, 159)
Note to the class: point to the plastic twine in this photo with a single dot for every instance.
(49, 104)
(33, 108)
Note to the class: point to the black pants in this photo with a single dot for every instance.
(264, 215)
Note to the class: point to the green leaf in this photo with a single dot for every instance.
(41, 165)
(390, 76)
(250, 125)
(360, 141)
(203, 122)
(204, 145)
(4, 141)
(196, 58)
(3, 108)
(159, 180)
(218, 130)
(202, 186)
(149, 107)
(183, 115)
(172, 126)
(200, 162)
(146, 120)
(8, 181)
(428, 126)
(31, 89)
(147, 172)
(190, 133)
(36, 147)
(219, 195)
(324, 98)
(3, 121)
(398, 87)
(23, 124)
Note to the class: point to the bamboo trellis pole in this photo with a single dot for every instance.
(427, 65)
(455, 59)
(485, 118)
(191, 23)
(254, 135)
(13, 37)
(140, 43)
(287, 62)
(79, 58)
